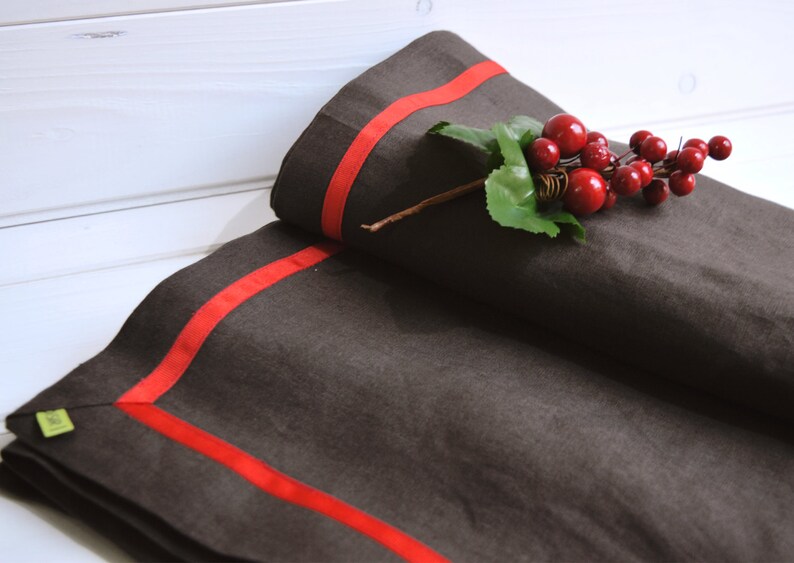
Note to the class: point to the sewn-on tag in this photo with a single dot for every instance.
(55, 422)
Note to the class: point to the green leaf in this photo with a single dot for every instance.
(566, 218)
(509, 188)
(495, 160)
(483, 139)
(510, 192)
(505, 211)
(511, 150)
(526, 129)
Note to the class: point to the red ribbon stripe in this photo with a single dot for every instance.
(137, 403)
(349, 167)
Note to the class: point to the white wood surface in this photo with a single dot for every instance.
(20, 12)
(136, 136)
(108, 240)
(108, 121)
(174, 100)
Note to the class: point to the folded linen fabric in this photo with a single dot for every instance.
(701, 289)
(446, 389)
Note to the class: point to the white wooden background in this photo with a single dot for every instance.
(136, 136)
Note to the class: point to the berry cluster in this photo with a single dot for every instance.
(592, 177)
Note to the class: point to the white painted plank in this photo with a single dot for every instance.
(621, 62)
(21, 12)
(106, 240)
(193, 100)
(49, 327)
(134, 201)
(682, 69)
(174, 101)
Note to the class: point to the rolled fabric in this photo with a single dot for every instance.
(700, 290)
(284, 400)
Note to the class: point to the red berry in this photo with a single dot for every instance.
(596, 137)
(653, 149)
(720, 147)
(645, 169)
(690, 160)
(568, 132)
(542, 154)
(637, 138)
(656, 192)
(586, 192)
(626, 181)
(633, 159)
(699, 144)
(682, 183)
(670, 157)
(609, 200)
(595, 156)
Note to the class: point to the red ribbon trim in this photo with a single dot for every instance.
(355, 156)
(277, 484)
(137, 403)
(204, 321)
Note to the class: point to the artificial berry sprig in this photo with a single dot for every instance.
(541, 176)
(591, 152)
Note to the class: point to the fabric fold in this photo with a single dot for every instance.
(472, 433)
(700, 290)
(446, 389)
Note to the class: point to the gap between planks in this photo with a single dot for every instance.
(151, 11)
(137, 202)
(741, 114)
(199, 252)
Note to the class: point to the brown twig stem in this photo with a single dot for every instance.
(552, 187)
(624, 155)
(454, 193)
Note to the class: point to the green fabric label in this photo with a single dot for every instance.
(55, 422)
